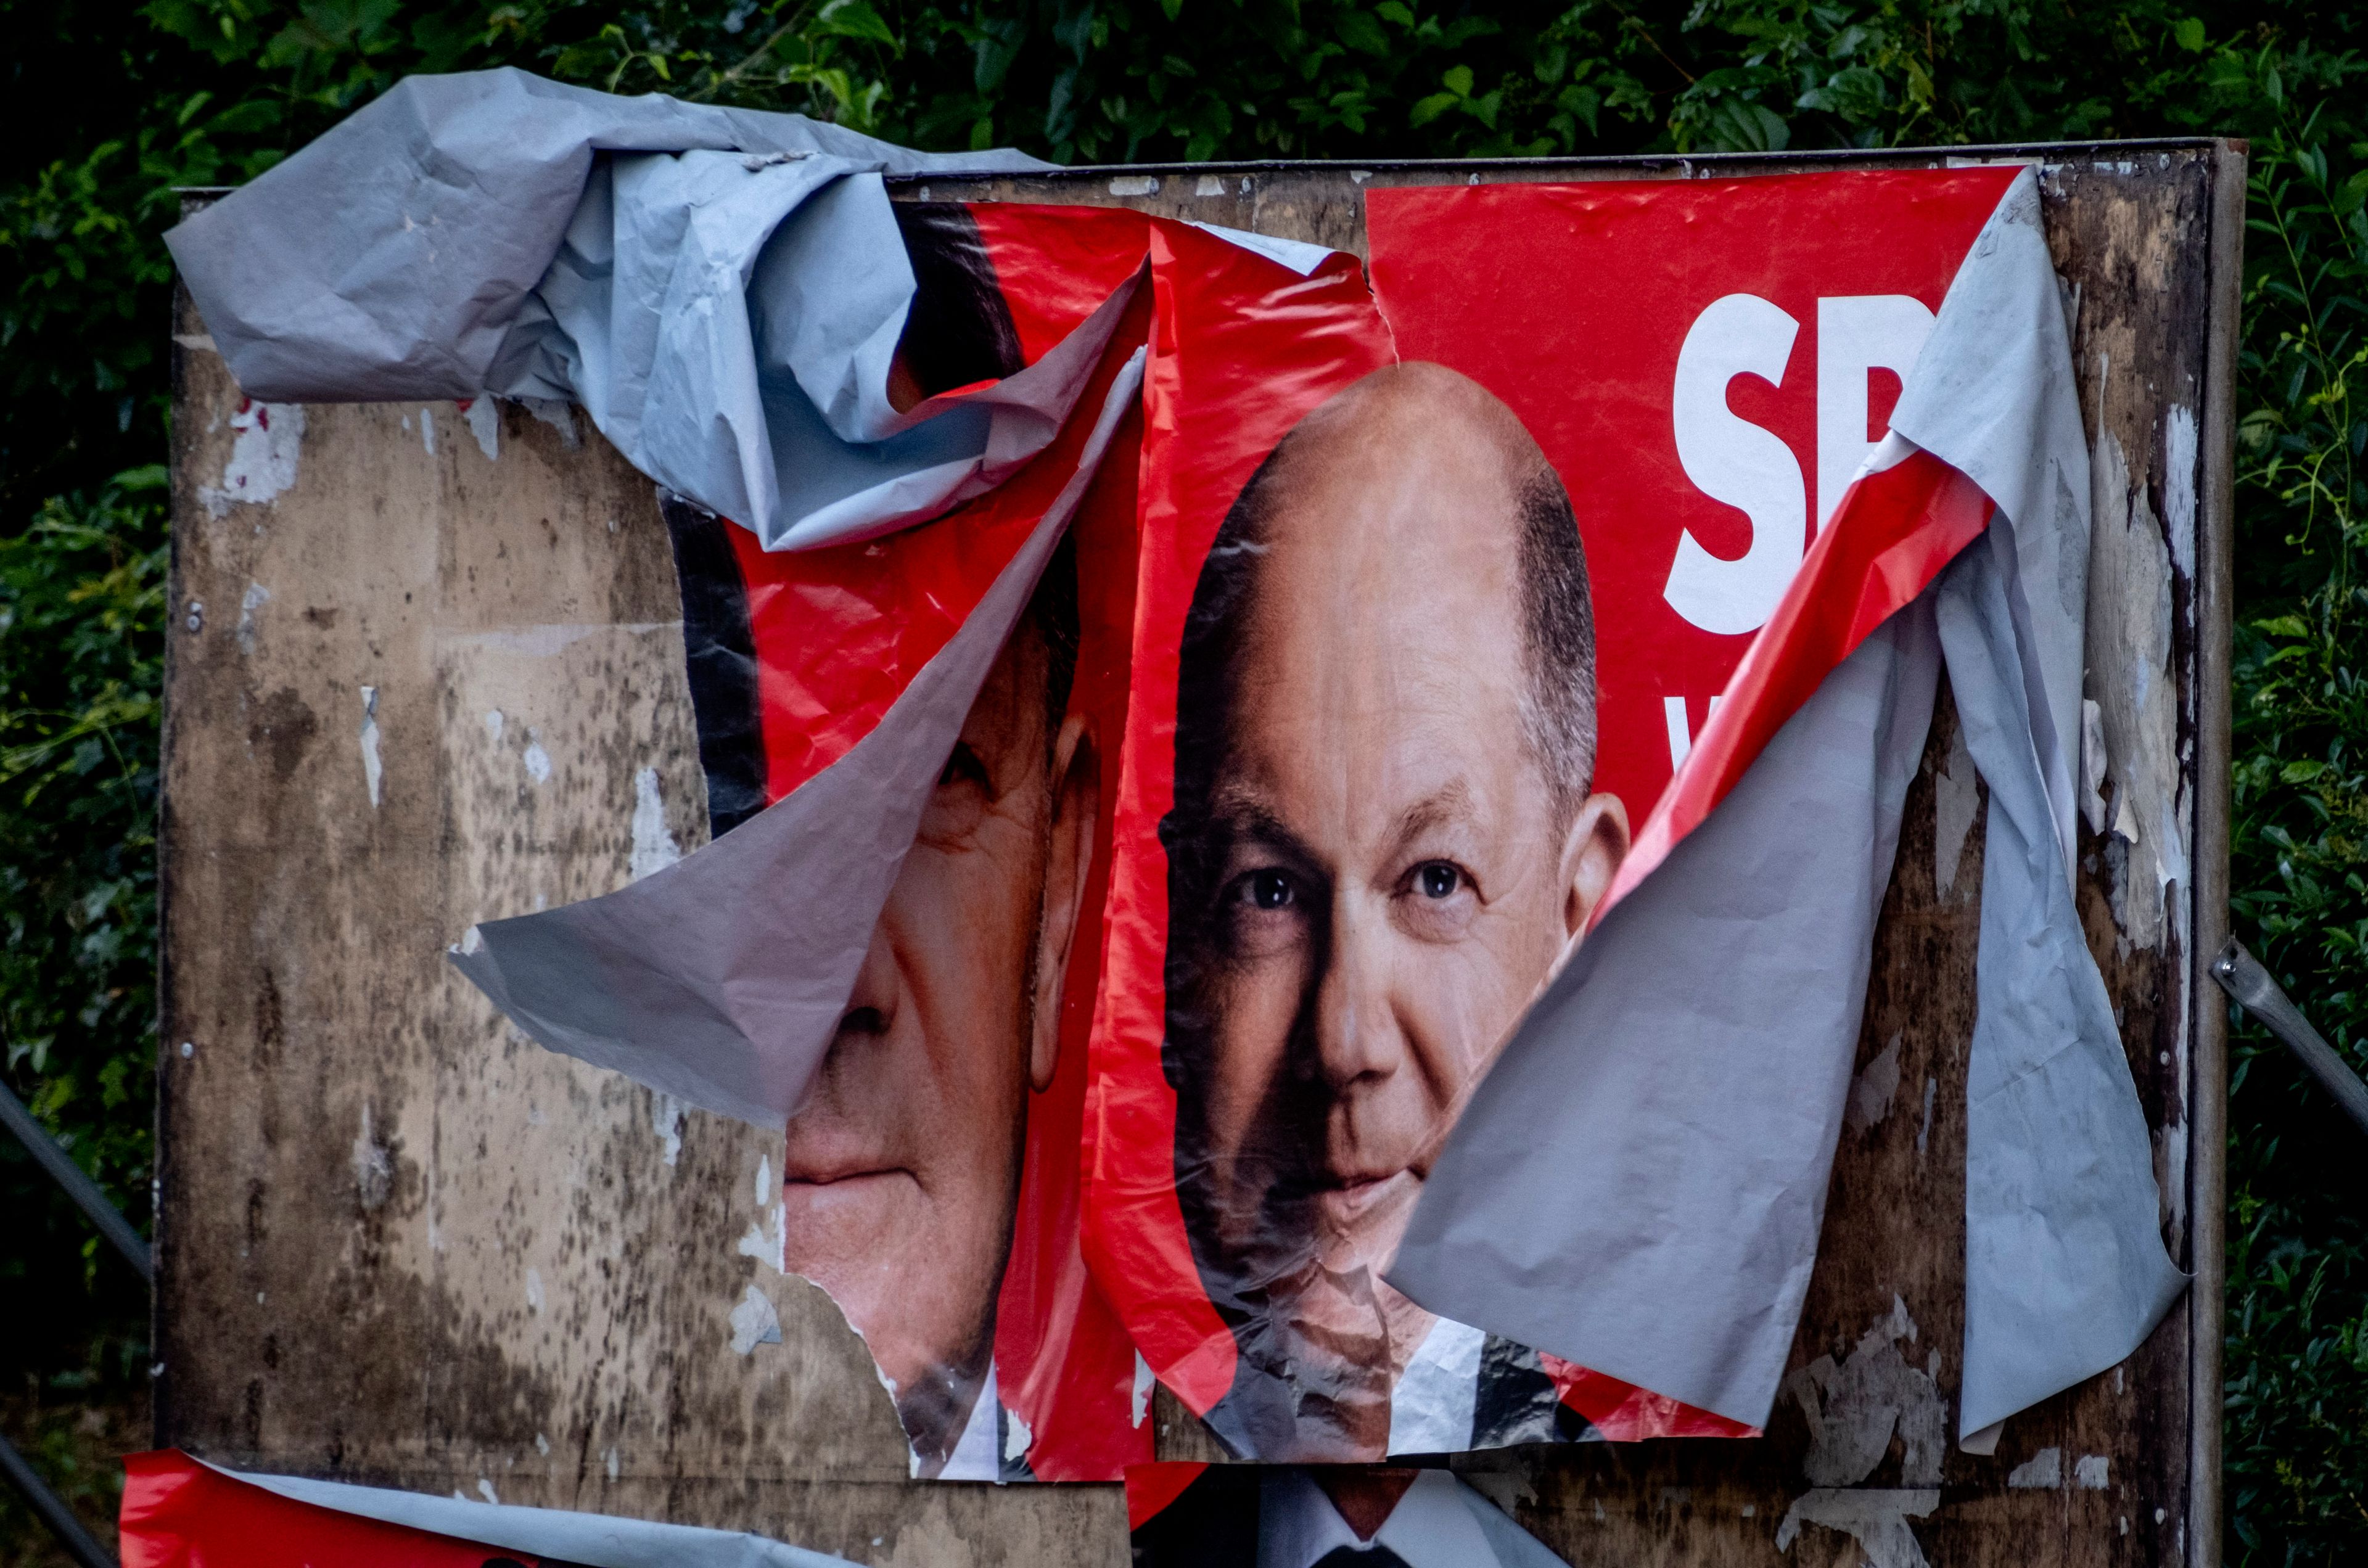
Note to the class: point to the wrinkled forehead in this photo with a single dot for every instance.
(1381, 659)
(1400, 545)
(1406, 459)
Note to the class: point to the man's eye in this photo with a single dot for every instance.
(962, 767)
(1263, 914)
(1271, 890)
(1438, 878)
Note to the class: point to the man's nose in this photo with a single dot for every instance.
(1356, 1031)
(839, 1084)
(871, 1005)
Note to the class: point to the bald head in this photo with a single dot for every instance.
(1412, 464)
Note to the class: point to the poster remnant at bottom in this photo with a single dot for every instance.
(1196, 1516)
(179, 1512)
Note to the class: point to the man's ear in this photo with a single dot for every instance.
(1068, 860)
(1591, 853)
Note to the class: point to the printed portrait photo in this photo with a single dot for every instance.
(1385, 833)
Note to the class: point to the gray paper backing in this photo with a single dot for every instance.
(721, 978)
(1992, 396)
(2065, 1272)
(1598, 1233)
(720, 289)
(1638, 1183)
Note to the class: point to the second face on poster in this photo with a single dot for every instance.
(1316, 748)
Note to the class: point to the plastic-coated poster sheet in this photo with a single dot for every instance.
(930, 1177)
(1321, 739)
(1441, 581)
(179, 1512)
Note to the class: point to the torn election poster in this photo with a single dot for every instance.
(1317, 836)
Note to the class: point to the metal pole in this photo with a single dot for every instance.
(52, 1510)
(80, 1188)
(2241, 975)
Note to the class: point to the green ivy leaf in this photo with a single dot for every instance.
(1362, 30)
(1428, 109)
(853, 18)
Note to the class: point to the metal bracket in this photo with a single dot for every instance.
(2240, 974)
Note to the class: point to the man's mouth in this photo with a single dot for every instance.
(841, 1173)
(835, 1196)
(825, 1159)
(1351, 1203)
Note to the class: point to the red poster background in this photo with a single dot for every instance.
(1570, 303)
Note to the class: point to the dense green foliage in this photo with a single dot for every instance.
(194, 92)
(2297, 1424)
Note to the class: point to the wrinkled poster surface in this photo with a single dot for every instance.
(1321, 739)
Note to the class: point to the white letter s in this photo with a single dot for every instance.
(1730, 460)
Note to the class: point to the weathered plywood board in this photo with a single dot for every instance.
(436, 678)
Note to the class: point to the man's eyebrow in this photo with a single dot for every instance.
(1437, 809)
(1236, 815)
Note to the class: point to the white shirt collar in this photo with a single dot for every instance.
(1431, 1527)
(975, 1455)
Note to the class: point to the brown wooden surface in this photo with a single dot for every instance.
(399, 1244)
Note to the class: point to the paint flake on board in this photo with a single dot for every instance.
(1871, 1091)
(262, 465)
(559, 413)
(483, 417)
(666, 1120)
(754, 1322)
(373, 769)
(654, 848)
(255, 598)
(1855, 1405)
(768, 1247)
(2041, 1472)
(373, 1167)
(1876, 1519)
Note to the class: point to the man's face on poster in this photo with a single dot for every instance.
(1394, 845)
(902, 1165)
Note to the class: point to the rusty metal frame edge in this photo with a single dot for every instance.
(160, 1237)
(2208, 1049)
(1706, 163)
